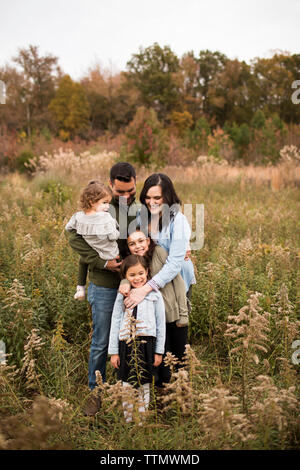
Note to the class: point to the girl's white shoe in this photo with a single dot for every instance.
(80, 293)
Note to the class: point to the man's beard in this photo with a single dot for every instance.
(123, 201)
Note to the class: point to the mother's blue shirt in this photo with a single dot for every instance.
(174, 238)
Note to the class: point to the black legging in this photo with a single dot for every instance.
(176, 340)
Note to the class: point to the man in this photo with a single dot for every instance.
(103, 275)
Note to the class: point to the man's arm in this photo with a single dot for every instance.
(86, 252)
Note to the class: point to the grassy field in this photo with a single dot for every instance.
(239, 388)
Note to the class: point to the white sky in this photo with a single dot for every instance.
(82, 33)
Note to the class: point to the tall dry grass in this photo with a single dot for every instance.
(234, 391)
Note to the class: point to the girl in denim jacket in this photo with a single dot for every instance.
(137, 336)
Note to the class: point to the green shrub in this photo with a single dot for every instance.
(241, 137)
(258, 120)
(197, 138)
(46, 134)
(144, 139)
(23, 158)
(58, 192)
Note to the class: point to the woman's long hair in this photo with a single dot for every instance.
(169, 195)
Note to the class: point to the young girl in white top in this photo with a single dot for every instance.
(137, 351)
(97, 227)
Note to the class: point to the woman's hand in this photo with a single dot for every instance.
(124, 289)
(157, 360)
(115, 360)
(182, 322)
(136, 296)
(187, 255)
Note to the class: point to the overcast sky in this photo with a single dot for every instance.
(82, 33)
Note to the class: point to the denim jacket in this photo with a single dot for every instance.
(151, 321)
(174, 238)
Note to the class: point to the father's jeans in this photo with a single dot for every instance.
(102, 300)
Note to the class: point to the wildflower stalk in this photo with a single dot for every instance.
(248, 330)
(220, 420)
(154, 400)
(287, 329)
(4, 379)
(34, 343)
(273, 410)
(191, 363)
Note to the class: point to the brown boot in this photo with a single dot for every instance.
(92, 405)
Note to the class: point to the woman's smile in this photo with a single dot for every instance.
(154, 199)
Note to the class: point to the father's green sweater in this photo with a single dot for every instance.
(97, 273)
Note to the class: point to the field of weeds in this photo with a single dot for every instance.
(239, 387)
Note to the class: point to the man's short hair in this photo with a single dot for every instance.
(122, 171)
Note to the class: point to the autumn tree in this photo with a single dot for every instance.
(181, 122)
(194, 77)
(39, 76)
(274, 77)
(13, 113)
(151, 72)
(112, 104)
(70, 108)
(231, 93)
(188, 80)
(95, 87)
(145, 142)
(211, 64)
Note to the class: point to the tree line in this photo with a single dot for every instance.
(208, 87)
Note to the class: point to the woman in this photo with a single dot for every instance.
(161, 218)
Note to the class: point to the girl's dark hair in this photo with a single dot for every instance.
(133, 260)
(169, 195)
(149, 254)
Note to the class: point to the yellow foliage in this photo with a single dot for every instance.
(181, 121)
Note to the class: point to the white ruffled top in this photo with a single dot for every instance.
(101, 224)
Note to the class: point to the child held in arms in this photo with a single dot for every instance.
(96, 225)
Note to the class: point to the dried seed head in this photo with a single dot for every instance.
(220, 419)
(179, 393)
(273, 407)
(249, 327)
